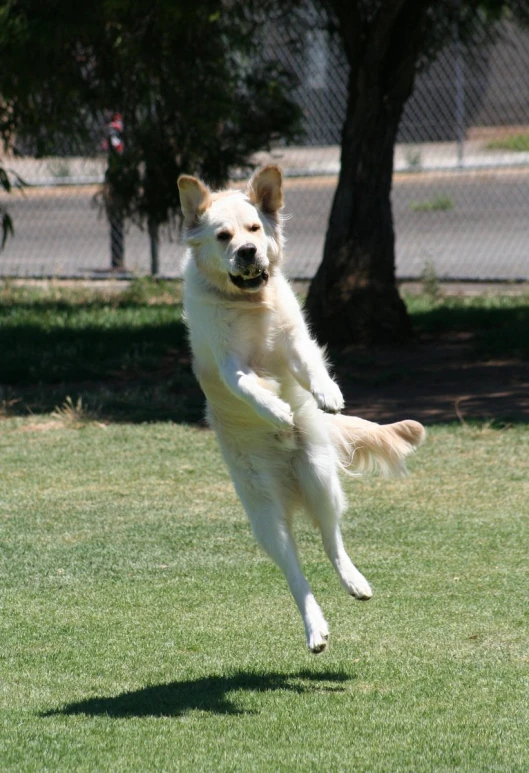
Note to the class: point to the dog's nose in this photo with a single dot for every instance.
(247, 252)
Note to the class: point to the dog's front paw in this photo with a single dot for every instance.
(318, 637)
(280, 415)
(328, 396)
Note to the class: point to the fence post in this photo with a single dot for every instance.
(155, 243)
(114, 211)
(459, 74)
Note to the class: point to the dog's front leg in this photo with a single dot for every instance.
(244, 383)
(310, 370)
(305, 358)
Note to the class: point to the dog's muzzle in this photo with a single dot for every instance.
(249, 273)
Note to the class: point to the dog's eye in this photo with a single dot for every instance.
(255, 227)
(224, 236)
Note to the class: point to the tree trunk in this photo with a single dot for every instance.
(154, 241)
(353, 297)
(117, 239)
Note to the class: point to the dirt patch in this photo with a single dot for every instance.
(434, 381)
(41, 426)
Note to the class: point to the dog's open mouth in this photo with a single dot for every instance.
(250, 283)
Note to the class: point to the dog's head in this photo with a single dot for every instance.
(235, 237)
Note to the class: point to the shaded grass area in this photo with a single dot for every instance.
(125, 351)
(498, 324)
(142, 628)
(124, 354)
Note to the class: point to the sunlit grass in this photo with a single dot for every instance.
(142, 628)
(516, 142)
(437, 204)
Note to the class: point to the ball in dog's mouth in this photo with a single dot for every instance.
(250, 283)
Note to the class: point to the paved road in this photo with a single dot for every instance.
(483, 234)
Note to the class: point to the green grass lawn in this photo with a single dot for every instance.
(125, 353)
(497, 324)
(516, 142)
(141, 628)
(439, 203)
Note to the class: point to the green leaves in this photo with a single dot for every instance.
(187, 78)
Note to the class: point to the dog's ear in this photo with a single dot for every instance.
(195, 198)
(265, 189)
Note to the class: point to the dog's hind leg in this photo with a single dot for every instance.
(271, 528)
(324, 500)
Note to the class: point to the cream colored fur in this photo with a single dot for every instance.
(270, 399)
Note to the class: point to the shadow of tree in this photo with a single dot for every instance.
(126, 372)
(131, 362)
(211, 693)
(465, 364)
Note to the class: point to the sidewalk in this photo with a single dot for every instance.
(296, 162)
(409, 157)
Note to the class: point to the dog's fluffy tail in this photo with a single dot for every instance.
(363, 446)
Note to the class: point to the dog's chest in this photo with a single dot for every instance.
(254, 334)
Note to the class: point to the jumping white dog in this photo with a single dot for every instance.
(270, 399)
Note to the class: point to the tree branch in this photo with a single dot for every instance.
(381, 31)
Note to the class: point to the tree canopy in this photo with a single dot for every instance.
(197, 96)
(193, 96)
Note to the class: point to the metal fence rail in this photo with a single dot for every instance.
(460, 189)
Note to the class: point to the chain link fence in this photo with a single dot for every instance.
(460, 187)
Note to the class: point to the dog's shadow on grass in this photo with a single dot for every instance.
(214, 694)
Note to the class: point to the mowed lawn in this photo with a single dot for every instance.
(142, 629)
